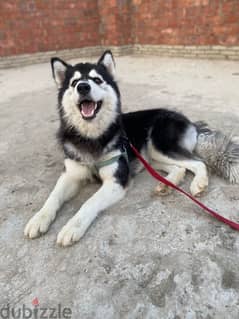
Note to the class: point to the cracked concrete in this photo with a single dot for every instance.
(146, 257)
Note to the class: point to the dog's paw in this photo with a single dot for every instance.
(199, 185)
(162, 190)
(71, 233)
(38, 224)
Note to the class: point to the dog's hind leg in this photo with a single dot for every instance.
(66, 187)
(198, 168)
(175, 175)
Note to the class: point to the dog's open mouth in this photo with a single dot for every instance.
(89, 108)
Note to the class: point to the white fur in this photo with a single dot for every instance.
(66, 187)
(94, 74)
(59, 73)
(109, 193)
(198, 168)
(103, 119)
(77, 75)
(175, 175)
(189, 139)
(109, 63)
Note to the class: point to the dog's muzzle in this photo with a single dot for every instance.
(89, 108)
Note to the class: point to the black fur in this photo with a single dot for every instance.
(165, 128)
(88, 145)
(122, 173)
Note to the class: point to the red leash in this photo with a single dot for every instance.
(163, 180)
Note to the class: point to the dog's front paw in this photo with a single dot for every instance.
(38, 224)
(71, 233)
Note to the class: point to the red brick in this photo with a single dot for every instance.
(31, 25)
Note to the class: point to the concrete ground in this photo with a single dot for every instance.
(145, 257)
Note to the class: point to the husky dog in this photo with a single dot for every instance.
(94, 135)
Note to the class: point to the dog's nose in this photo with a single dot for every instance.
(83, 88)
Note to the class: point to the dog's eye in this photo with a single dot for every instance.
(97, 80)
(74, 82)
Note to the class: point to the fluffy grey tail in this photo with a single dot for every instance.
(219, 152)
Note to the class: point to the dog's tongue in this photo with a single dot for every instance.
(88, 108)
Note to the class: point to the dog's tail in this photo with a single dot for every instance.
(219, 152)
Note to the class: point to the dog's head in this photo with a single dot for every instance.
(89, 98)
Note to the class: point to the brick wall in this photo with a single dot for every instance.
(116, 17)
(28, 26)
(187, 22)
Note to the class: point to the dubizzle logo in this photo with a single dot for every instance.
(35, 302)
(37, 312)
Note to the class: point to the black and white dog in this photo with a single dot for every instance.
(94, 135)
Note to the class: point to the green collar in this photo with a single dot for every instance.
(113, 159)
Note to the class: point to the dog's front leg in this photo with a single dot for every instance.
(110, 192)
(66, 187)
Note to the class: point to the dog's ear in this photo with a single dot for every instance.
(59, 68)
(108, 61)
